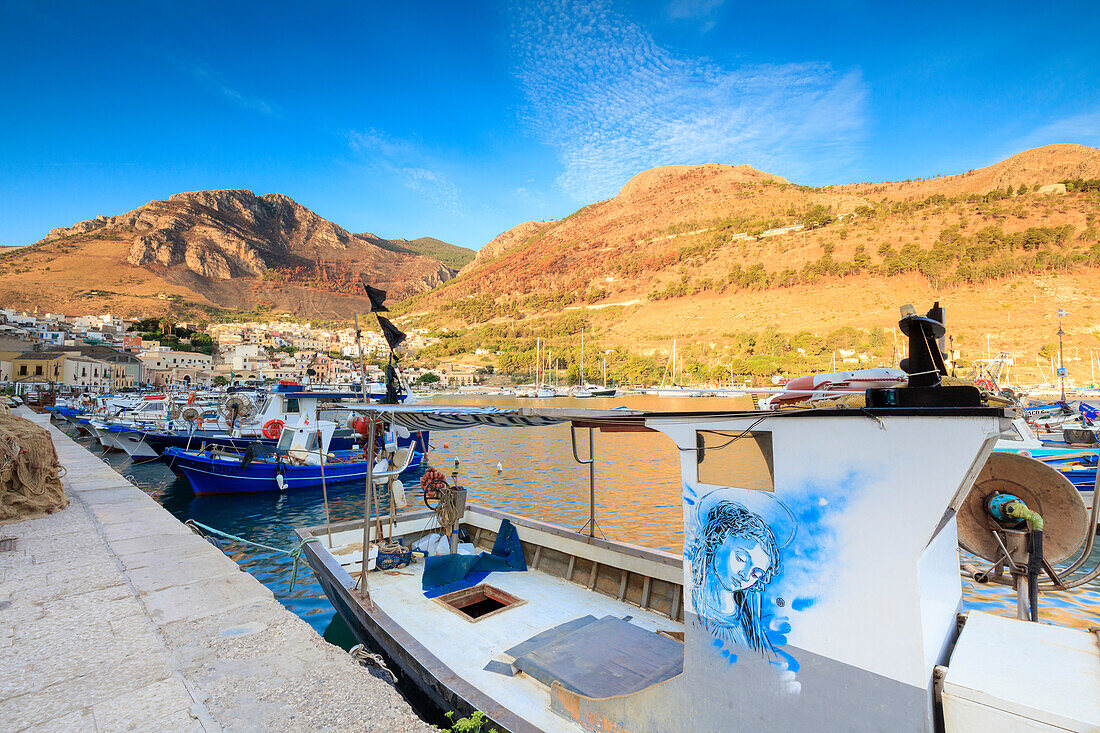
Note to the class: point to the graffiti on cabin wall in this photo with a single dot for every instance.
(733, 559)
(754, 570)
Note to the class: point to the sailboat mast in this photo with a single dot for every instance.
(582, 356)
(673, 375)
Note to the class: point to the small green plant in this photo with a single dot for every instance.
(472, 724)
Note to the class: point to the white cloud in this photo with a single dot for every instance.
(376, 142)
(613, 103)
(214, 82)
(702, 12)
(433, 186)
(408, 162)
(685, 9)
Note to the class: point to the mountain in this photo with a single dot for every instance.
(727, 258)
(209, 250)
(514, 237)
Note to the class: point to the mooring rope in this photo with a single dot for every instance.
(296, 553)
(364, 657)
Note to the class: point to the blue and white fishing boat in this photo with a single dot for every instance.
(300, 460)
(818, 587)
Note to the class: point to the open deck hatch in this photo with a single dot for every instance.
(479, 602)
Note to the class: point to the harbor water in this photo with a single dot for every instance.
(637, 494)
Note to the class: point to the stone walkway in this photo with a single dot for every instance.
(114, 616)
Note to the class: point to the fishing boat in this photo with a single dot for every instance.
(300, 460)
(818, 587)
(234, 422)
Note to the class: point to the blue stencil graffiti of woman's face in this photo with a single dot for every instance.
(740, 563)
(733, 557)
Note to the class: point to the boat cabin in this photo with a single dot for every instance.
(289, 402)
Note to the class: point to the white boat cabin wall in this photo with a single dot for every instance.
(307, 440)
(287, 407)
(820, 572)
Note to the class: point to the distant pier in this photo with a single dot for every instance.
(115, 616)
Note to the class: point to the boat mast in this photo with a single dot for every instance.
(1061, 363)
(582, 357)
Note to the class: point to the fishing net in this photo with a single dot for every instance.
(30, 477)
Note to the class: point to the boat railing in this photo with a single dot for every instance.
(381, 476)
(590, 525)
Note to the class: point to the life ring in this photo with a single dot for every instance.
(273, 428)
(191, 398)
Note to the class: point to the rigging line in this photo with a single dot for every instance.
(295, 553)
(732, 440)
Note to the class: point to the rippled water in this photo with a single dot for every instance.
(637, 489)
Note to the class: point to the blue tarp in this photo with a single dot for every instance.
(447, 570)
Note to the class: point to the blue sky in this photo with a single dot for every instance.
(460, 120)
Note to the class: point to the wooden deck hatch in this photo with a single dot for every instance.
(479, 602)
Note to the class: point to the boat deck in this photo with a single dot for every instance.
(547, 602)
(560, 586)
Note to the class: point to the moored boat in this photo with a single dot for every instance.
(301, 460)
(817, 589)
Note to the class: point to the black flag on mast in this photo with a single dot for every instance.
(377, 299)
(393, 336)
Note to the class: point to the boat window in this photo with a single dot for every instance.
(735, 458)
(313, 443)
(286, 439)
(290, 404)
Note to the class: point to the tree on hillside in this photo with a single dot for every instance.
(146, 325)
(818, 216)
(427, 378)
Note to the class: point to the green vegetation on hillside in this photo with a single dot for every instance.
(451, 255)
(954, 259)
(751, 355)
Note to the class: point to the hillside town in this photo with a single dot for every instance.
(100, 353)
